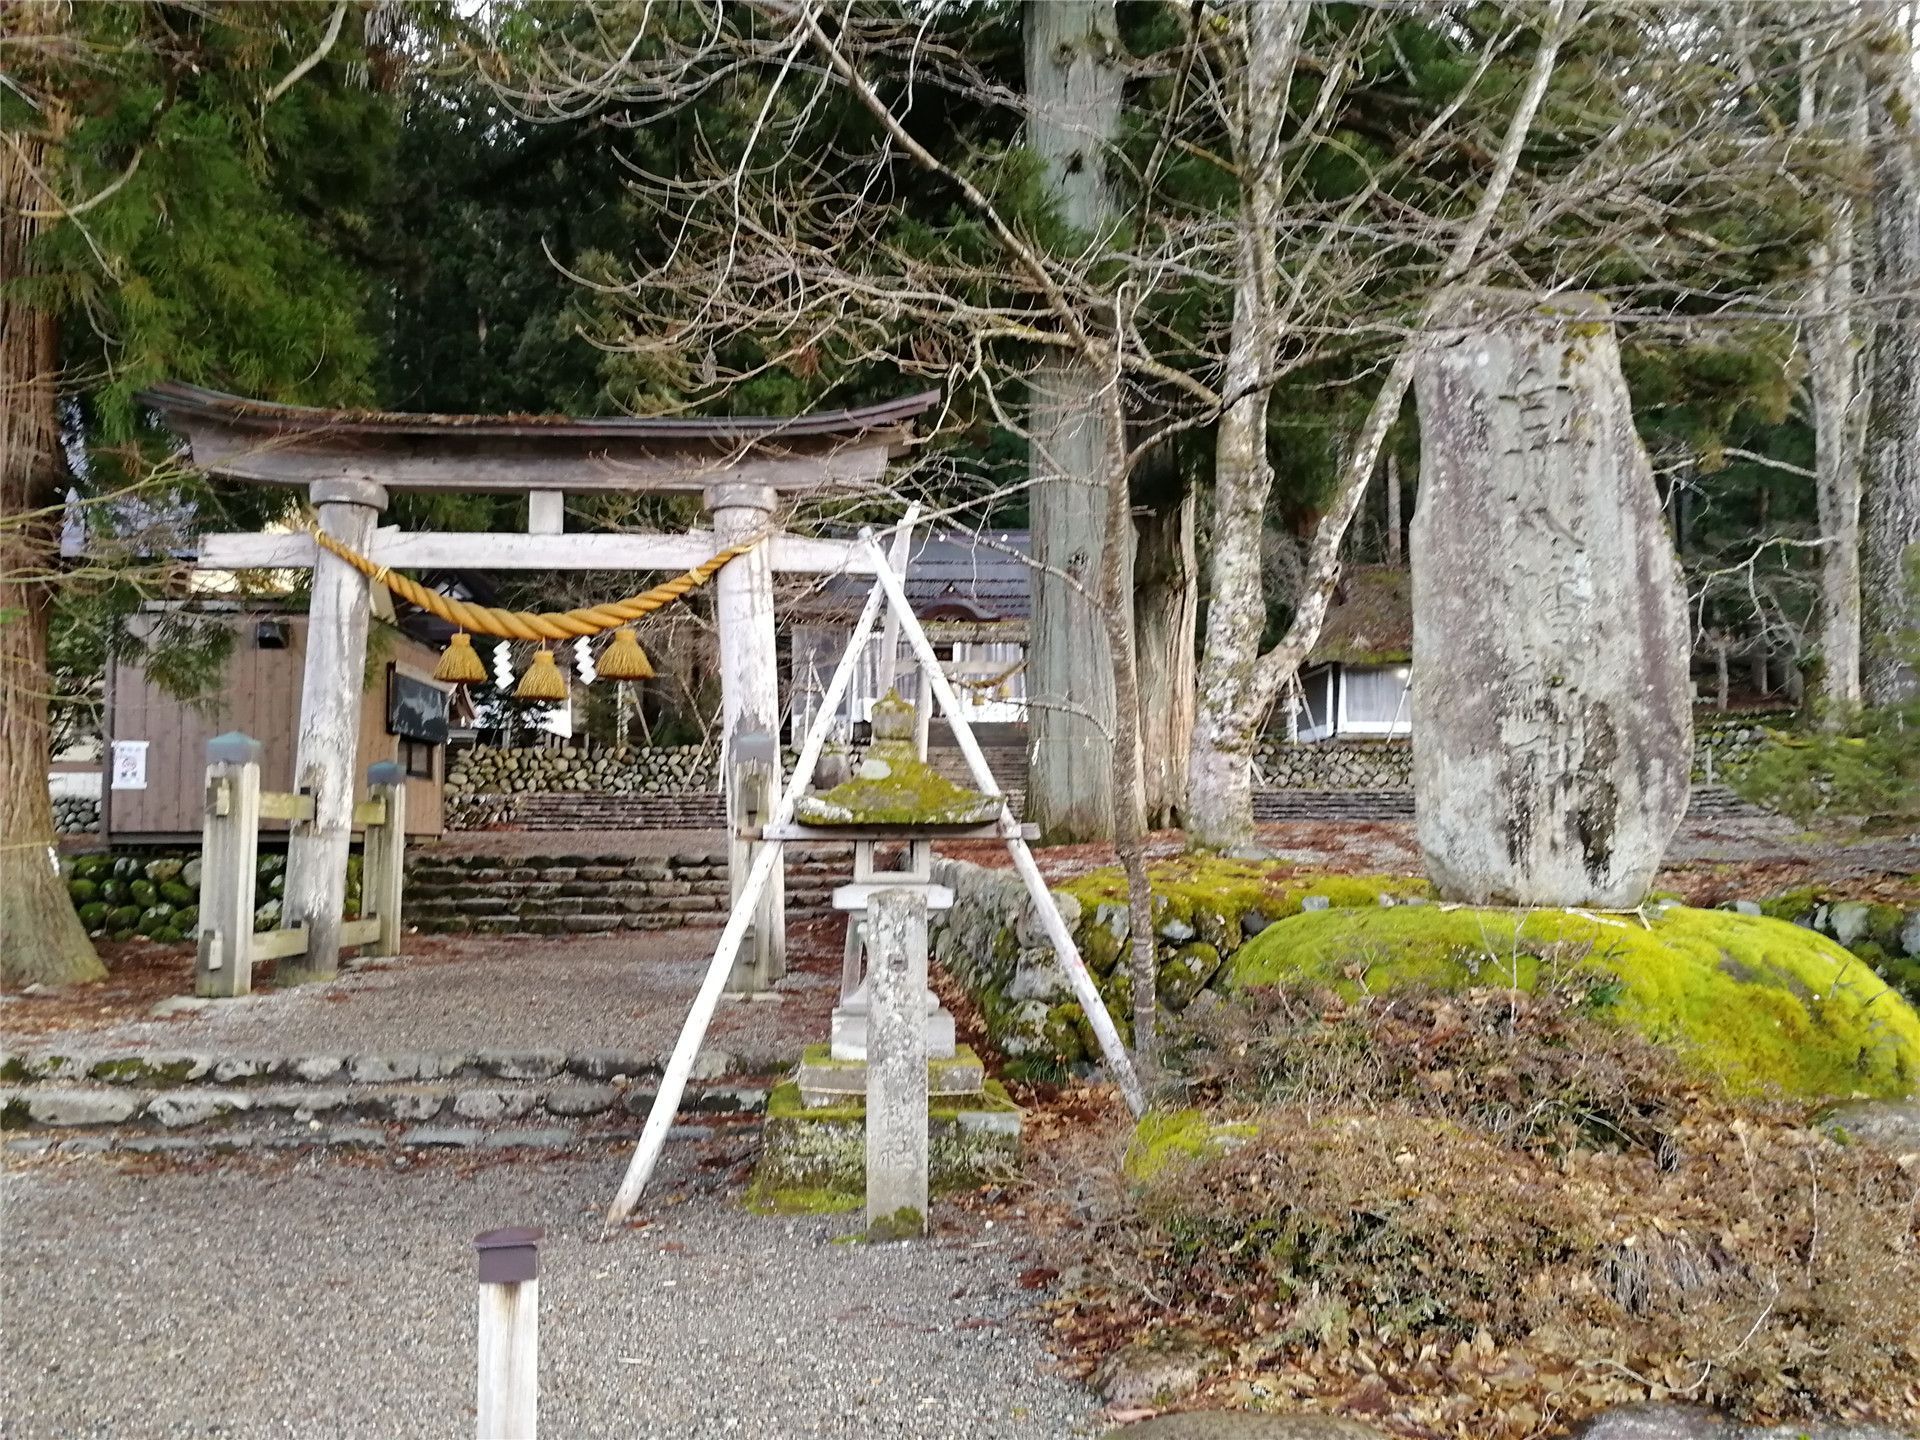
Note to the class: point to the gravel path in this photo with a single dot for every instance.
(315, 1297)
(626, 991)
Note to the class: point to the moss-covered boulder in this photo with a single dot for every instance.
(1757, 1002)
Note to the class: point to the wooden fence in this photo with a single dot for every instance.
(230, 842)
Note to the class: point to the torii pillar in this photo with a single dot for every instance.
(750, 716)
(326, 761)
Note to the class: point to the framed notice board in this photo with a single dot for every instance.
(416, 709)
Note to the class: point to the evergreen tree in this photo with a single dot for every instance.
(178, 189)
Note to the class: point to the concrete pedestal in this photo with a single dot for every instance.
(852, 1016)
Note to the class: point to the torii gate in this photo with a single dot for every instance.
(349, 460)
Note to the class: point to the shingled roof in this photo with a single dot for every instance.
(1370, 621)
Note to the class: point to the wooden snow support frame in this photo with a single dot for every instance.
(227, 947)
(887, 591)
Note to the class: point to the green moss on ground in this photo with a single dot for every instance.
(767, 1199)
(1191, 886)
(1757, 1002)
(1166, 1137)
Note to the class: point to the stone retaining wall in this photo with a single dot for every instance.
(1388, 764)
(76, 814)
(625, 770)
(156, 893)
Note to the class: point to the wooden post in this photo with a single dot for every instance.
(755, 760)
(897, 1063)
(509, 1389)
(316, 889)
(749, 701)
(385, 858)
(229, 844)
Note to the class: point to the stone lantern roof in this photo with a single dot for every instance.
(894, 786)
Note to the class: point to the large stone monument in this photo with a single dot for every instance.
(1552, 724)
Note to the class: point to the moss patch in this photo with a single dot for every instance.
(1756, 1002)
(770, 1199)
(1168, 1137)
(1190, 888)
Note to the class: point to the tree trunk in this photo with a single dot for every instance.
(1073, 86)
(41, 939)
(1396, 555)
(1834, 383)
(1166, 603)
(1890, 520)
(1228, 704)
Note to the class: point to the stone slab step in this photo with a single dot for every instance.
(162, 1070)
(356, 1137)
(288, 1107)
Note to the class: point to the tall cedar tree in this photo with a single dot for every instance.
(175, 194)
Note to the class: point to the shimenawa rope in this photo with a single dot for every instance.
(530, 625)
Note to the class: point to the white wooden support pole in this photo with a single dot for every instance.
(316, 889)
(922, 710)
(749, 699)
(673, 1080)
(1115, 1053)
(509, 1387)
(888, 670)
(384, 862)
(229, 844)
(897, 1063)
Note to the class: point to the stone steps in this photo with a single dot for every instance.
(567, 894)
(182, 1107)
(159, 1101)
(598, 810)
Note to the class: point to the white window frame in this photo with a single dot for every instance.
(1400, 724)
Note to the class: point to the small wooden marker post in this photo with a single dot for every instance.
(509, 1394)
(383, 872)
(229, 841)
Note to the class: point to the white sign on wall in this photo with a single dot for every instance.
(129, 764)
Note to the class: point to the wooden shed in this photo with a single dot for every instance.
(155, 761)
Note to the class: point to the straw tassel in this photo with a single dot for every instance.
(543, 680)
(459, 665)
(623, 659)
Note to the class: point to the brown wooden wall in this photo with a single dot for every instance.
(261, 697)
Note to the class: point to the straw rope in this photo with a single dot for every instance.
(528, 625)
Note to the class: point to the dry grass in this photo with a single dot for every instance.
(1488, 1215)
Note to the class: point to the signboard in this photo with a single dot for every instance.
(416, 709)
(130, 764)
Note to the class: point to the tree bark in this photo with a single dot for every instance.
(1834, 385)
(1890, 518)
(1396, 528)
(1166, 603)
(41, 938)
(1073, 87)
(1228, 706)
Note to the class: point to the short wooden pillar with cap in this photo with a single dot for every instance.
(509, 1392)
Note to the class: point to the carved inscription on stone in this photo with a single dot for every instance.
(1551, 698)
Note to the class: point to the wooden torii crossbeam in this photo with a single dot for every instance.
(347, 461)
(887, 592)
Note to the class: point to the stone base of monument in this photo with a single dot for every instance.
(850, 1027)
(825, 1079)
(814, 1157)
